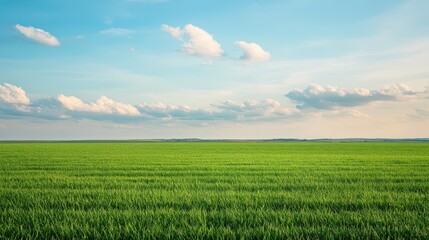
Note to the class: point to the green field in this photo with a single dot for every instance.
(214, 190)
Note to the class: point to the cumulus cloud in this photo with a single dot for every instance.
(14, 103)
(38, 35)
(317, 100)
(103, 105)
(13, 94)
(169, 112)
(253, 52)
(13, 100)
(329, 97)
(118, 31)
(196, 41)
(400, 89)
(251, 110)
(201, 42)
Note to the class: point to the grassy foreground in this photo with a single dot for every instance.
(214, 190)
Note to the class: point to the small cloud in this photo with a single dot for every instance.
(118, 32)
(13, 94)
(132, 49)
(79, 37)
(13, 101)
(175, 32)
(201, 42)
(103, 105)
(38, 35)
(253, 52)
(196, 41)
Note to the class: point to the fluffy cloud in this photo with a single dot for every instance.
(327, 102)
(38, 35)
(253, 52)
(329, 97)
(251, 110)
(118, 31)
(169, 112)
(13, 94)
(200, 42)
(400, 90)
(195, 40)
(103, 105)
(13, 101)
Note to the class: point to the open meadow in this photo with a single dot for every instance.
(213, 190)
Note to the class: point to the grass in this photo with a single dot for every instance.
(214, 190)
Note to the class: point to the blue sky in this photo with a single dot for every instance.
(122, 69)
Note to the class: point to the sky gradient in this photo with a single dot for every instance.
(144, 69)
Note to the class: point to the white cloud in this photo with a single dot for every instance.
(163, 111)
(175, 32)
(13, 94)
(195, 40)
(315, 100)
(253, 52)
(38, 35)
(103, 105)
(329, 97)
(247, 111)
(118, 31)
(201, 42)
(400, 89)
(267, 108)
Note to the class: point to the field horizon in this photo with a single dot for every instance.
(357, 140)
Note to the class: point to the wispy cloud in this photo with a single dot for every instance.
(38, 35)
(118, 32)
